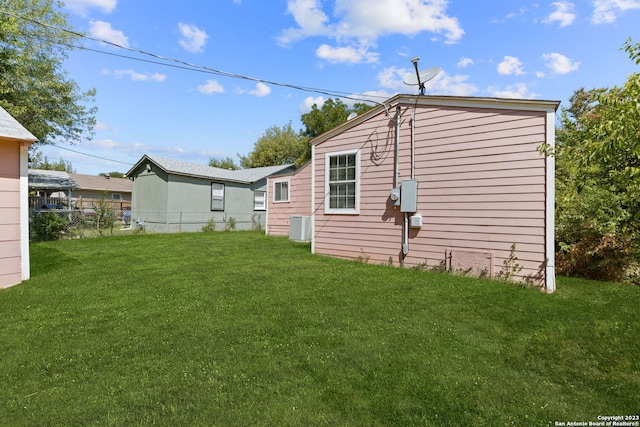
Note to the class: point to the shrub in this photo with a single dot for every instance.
(46, 226)
(210, 225)
(231, 224)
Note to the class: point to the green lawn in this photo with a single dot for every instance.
(239, 329)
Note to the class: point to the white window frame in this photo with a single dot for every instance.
(217, 191)
(282, 181)
(259, 203)
(327, 184)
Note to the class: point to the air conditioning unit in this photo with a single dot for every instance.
(300, 228)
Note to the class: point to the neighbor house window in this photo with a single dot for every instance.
(259, 200)
(281, 191)
(341, 182)
(217, 196)
(115, 197)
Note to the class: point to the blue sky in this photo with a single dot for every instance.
(491, 48)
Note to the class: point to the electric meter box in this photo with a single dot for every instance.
(409, 196)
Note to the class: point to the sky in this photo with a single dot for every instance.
(195, 79)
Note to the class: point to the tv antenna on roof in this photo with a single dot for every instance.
(421, 77)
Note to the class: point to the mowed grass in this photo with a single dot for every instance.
(240, 329)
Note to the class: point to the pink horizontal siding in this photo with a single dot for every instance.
(10, 254)
(481, 187)
(279, 214)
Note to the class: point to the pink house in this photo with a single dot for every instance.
(14, 212)
(289, 195)
(438, 182)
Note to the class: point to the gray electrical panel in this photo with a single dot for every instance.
(409, 196)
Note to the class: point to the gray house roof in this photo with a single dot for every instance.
(50, 180)
(178, 167)
(11, 128)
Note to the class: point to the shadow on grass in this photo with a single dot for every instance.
(49, 259)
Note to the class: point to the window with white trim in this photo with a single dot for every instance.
(281, 191)
(217, 196)
(341, 182)
(259, 200)
(115, 196)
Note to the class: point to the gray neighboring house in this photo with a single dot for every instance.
(171, 195)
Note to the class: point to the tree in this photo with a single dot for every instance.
(598, 186)
(332, 114)
(114, 174)
(277, 146)
(226, 163)
(34, 88)
(38, 161)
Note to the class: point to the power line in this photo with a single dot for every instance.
(91, 155)
(196, 67)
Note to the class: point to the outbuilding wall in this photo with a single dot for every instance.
(481, 189)
(165, 202)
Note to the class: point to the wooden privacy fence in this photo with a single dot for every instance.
(80, 203)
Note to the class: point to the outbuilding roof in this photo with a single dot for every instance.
(179, 167)
(11, 128)
(106, 183)
(40, 179)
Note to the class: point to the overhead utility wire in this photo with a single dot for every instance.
(197, 67)
(91, 155)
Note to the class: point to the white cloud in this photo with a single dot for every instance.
(350, 55)
(517, 90)
(82, 6)
(309, 102)
(510, 66)
(443, 84)
(392, 77)
(358, 24)
(210, 87)
(192, 38)
(511, 15)
(260, 90)
(103, 31)
(559, 63)
(607, 11)
(564, 14)
(135, 150)
(465, 62)
(135, 76)
(101, 126)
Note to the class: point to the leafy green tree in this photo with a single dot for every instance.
(332, 114)
(598, 181)
(226, 163)
(277, 146)
(38, 161)
(114, 174)
(34, 88)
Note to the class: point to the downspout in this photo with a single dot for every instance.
(413, 144)
(550, 270)
(405, 231)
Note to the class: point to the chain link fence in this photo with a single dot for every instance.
(55, 224)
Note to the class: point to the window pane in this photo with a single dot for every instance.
(342, 182)
(278, 192)
(281, 192)
(217, 197)
(259, 200)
